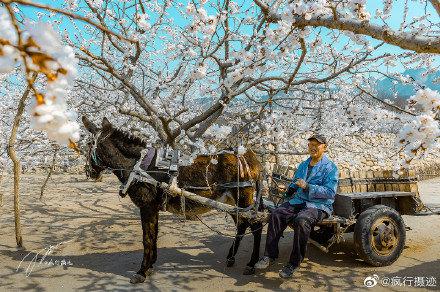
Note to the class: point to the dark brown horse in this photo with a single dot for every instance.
(118, 151)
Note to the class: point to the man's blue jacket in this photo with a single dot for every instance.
(322, 185)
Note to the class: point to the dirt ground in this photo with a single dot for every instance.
(96, 245)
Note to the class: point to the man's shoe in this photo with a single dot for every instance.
(264, 263)
(288, 271)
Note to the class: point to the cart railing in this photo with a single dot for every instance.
(381, 185)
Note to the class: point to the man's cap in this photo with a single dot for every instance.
(318, 137)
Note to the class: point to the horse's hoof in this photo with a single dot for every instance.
(249, 270)
(230, 262)
(136, 278)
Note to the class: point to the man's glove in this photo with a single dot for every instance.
(289, 193)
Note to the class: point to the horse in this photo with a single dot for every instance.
(208, 176)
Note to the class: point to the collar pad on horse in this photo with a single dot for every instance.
(139, 171)
(166, 160)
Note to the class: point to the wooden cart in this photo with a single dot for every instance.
(369, 206)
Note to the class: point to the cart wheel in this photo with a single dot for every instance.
(379, 235)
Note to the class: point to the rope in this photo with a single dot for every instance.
(433, 212)
(131, 170)
(206, 176)
(165, 200)
(238, 198)
(182, 205)
(198, 188)
(238, 189)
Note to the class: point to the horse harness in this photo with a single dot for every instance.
(167, 161)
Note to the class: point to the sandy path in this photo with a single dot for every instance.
(100, 235)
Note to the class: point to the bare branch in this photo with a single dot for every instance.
(384, 102)
(300, 61)
(135, 114)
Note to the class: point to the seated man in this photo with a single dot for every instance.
(311, 193)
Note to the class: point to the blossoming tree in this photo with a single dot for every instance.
(194, 63)
(183, 73)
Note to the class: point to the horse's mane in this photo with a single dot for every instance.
(128, 138)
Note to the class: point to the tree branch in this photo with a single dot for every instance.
(436, 5)
(384, 102)
(407, 41)
(301, 59)
(74, 16)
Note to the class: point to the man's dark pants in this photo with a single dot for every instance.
(303, 220)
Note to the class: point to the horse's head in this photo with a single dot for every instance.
(98, 148)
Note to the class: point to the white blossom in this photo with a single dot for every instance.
(96, 3)
(73, 4)
(8, 58)
(56, 121)
(143, 21)
(52, 116)
(200, 71)
(241, 150)
(7, 31)
(8, 54)
(190, 8)
(427, 99)
(219, 132)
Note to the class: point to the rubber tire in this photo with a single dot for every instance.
(362, 235)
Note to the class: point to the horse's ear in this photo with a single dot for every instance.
(89, 125)
(106, 124)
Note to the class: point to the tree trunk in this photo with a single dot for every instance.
(51, 168)
(1, 193)
(16, 163)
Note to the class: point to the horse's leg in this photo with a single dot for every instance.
(257, 229)
(149, 219)
(156, 231)
(241, 229)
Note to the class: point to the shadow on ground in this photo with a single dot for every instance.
(179, 266)
(106, 235)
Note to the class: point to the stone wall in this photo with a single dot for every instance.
(366, 152)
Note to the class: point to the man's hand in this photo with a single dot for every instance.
(301, 183)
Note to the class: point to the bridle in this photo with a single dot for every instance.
(92, 155)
